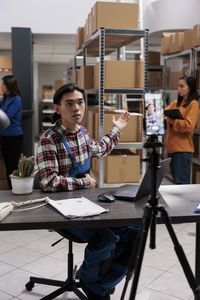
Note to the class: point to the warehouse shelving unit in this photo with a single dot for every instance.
(102, 43)
(196, 160)
(47, 111)
(181, 61)
(191, 58)
(155, 68)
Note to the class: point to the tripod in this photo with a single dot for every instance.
(151, 209)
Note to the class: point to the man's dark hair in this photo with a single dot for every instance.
(193, 94)
(65, 89)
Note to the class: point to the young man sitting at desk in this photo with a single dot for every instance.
(63, 159)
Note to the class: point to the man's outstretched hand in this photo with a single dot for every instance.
(122, 121)
(92, 180)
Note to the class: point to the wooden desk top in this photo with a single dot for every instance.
(179, 201)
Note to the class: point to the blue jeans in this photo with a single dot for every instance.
(106, 256)
(180, 167)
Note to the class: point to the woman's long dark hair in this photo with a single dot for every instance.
(12, 86)
(65, 89)
(193, 94)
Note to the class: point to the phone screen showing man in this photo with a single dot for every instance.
(153, 113)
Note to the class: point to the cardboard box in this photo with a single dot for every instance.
(91, 121)
(154, 58)
(121, 74)
(188, 39)
(119, 167)
(79, 37)
(5, 62)
(92, 111)
(58, 84)
(131, 133)
(155, 79)
(174, 78)
(165, 43)
(114, 15)
(196, 35)
(47, 92)
(86, 77)
(178, 42)
(171, 43)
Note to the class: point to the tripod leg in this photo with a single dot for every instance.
(197, 259)
(143, 238)
(180, 253)
(131, 265)
(152, 244)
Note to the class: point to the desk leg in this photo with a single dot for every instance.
(197, 257)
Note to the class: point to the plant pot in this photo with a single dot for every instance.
(21, 185)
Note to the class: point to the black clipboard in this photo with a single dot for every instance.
(173, 114)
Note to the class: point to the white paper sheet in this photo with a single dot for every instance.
(77, 207)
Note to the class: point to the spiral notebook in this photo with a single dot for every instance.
(77, 207)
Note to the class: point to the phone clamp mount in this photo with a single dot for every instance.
(151, 210)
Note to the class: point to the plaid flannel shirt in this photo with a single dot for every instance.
(53, 159)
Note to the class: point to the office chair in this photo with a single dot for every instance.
(70, 284)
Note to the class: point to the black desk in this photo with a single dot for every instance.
(179, 201)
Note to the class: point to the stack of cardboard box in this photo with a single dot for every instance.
(108, 15)
(122, 165)
(179, 41)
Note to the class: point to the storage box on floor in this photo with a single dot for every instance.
(120, 166)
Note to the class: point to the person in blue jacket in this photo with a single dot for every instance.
(12, 136)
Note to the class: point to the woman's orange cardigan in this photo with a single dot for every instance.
(179, 133)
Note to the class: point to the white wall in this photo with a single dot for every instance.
(65, 16)
(163, 15)
(45, 16)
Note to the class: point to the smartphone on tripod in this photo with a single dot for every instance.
(153, 114)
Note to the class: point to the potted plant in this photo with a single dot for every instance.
(22, 179)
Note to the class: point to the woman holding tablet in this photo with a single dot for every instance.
(179, 144)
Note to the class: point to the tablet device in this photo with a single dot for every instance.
(173, 114)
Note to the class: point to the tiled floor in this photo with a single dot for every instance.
(25, 253)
